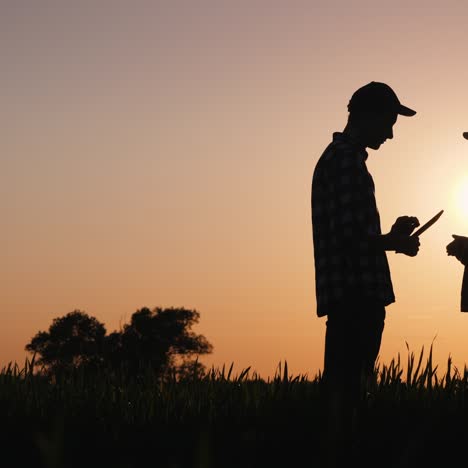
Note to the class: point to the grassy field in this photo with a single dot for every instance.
(414, 415)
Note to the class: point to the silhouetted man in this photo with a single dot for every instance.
(352, 275)
(459, 249)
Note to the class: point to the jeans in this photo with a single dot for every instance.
(352, 343)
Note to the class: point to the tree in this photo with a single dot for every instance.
(156, 339)
(159, 340)
(72, 341)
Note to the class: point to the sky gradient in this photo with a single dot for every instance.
(160, 153)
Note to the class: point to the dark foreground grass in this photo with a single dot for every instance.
(411, 417)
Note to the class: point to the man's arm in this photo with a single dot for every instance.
(396, 242)
(355, 201)
(399, 238)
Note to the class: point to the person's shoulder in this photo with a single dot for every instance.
(339, 155)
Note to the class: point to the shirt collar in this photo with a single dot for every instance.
(349, 140)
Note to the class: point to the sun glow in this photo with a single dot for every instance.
(461, 198)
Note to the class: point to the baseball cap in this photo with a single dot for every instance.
(378, 97)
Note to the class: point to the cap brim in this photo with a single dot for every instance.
(406, 111)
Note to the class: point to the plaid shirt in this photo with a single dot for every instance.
(344, 216)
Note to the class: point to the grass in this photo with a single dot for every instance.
(413, 417)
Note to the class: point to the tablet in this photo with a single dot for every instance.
(427, 225)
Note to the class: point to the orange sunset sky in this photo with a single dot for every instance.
(160, 153)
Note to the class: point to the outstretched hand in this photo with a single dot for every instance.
(459, 248)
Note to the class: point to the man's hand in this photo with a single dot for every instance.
(407, 245)
(459, 248)
(399, 238)
(404, 225)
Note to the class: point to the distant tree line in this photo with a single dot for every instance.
(160, 341)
